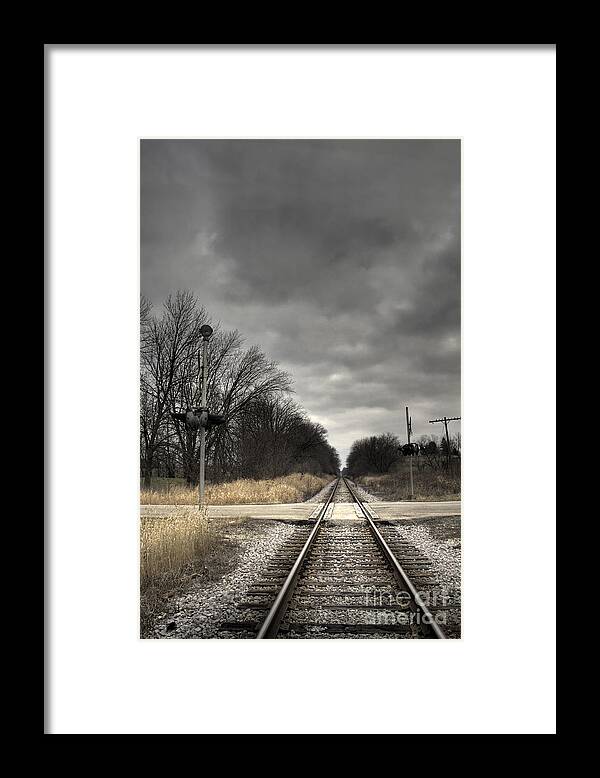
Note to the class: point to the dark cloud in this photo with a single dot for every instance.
(340, 258)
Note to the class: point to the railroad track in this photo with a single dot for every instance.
(347, 578)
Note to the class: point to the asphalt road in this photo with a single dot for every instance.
(303, 510)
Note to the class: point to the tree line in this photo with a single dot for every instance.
(380, 453)
(267, 433)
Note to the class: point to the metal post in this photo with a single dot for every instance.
(202, 430)
(408, 431)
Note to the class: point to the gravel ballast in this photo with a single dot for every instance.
(198, 613)
(342, 494)
(439, 541)
(363, 494)
(323, 494)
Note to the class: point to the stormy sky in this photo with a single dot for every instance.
(340, 258)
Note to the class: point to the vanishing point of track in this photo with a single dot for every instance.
(343, 579)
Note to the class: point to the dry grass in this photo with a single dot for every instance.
(289, 488)
(169, 545)
(173, 551)
(428, 484)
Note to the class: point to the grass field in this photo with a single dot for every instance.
(289, 488)
(173, 551)
(428, 484)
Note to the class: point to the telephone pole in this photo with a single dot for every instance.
(446, 419)
(408, 433)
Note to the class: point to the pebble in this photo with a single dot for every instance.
(199, 613)
(445, 557)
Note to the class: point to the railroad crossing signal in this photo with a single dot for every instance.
(209, 420)
(201, 418)
(410, 449)
(214, 419)
(197, 418)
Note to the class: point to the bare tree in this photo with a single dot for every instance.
(167, 344)
(266, 432)
(375, 454)
(249, 377)
(275, 437)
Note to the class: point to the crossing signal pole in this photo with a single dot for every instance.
(200, 418)
(408, 434)
(206, 331)
(446, 419)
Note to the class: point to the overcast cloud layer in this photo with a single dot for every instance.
(340, 258)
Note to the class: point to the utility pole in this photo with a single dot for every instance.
(408, 432)
(206, 332)
(446, 419)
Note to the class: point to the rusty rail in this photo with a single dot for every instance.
(427, 621)
(270, 625)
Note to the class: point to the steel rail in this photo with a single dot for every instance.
(428, 623)
(270, 625)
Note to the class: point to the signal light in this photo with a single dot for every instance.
(214, 420)
(199, 417)
(410, 449)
